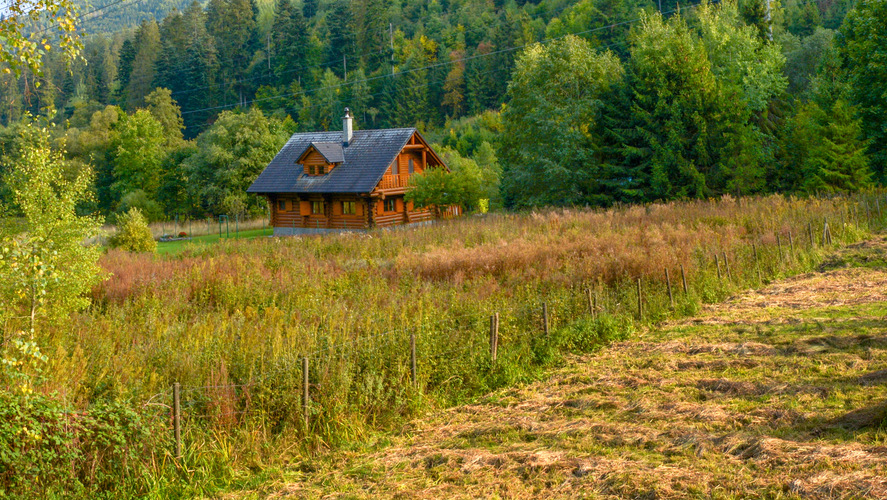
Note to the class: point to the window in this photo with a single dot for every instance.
(317, 208)
(281, 205)
(390, 205)
(394, 168)
(349, 208)
(412, 165)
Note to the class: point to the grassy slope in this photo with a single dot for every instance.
(175, 247)
(778, 393)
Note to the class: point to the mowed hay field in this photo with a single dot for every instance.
(780, 392)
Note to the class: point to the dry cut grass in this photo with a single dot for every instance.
(779, 393)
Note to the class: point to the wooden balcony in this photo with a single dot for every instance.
(394, 181)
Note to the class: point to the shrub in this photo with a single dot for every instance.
(51, 451)
(133, 233)
(182, 234)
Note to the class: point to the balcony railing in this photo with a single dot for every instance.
(395, 181)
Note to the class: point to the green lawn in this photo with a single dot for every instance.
(174, 247)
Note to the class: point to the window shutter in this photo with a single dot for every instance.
(305, 207)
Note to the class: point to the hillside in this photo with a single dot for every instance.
(778, 393)
(111, 16)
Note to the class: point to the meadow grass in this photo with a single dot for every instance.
(232, 321)
(178, 246)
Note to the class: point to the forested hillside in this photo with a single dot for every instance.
(551, 103)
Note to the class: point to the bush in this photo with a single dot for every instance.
(182, 234)
(51, 451)
(133, 233)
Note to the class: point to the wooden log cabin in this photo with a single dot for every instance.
(348, 180)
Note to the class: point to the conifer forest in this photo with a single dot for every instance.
(557, 103)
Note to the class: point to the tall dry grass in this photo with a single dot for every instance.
(231, 322)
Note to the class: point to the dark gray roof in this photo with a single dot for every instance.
(331, 151)
(365, 160)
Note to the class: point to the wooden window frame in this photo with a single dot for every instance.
(281, 205)
(315, 205)
(346, 205)
(392, 202)
(412, 166)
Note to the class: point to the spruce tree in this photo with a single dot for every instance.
(290, 43)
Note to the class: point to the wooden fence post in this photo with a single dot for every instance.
(177, 417)
(494, 336)
(684, 279)
(779, 246)
(718, 264)
(668, 284)
(640, 303)
(305, 391)
(591, 304)
(810, 230)
(413, 357)
(545, 318)
(791, 244)
(727, 267)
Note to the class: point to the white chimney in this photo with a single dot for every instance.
(347, 130)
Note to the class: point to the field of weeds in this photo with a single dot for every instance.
(779, 392)
(232, 323)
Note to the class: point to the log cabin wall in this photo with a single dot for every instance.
(400, 213)
(304, 212)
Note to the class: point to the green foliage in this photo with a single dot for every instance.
(835, 159)
(133, 233)
(475, 178)
(696, 95)
(46, 270)
(863, 47)
(437, 188)
(550, 142)
(137, 146)
(23, 48)
(167, 113)
(51, 450)
(588, 334)
(230, 155)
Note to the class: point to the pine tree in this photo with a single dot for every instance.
(836, 160)
(290, 43)
(232, 24)
(341, 39)
(124, 69)
(309, 8)
(372, 33)
(147, 48)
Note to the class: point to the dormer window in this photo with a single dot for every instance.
(319, 158)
